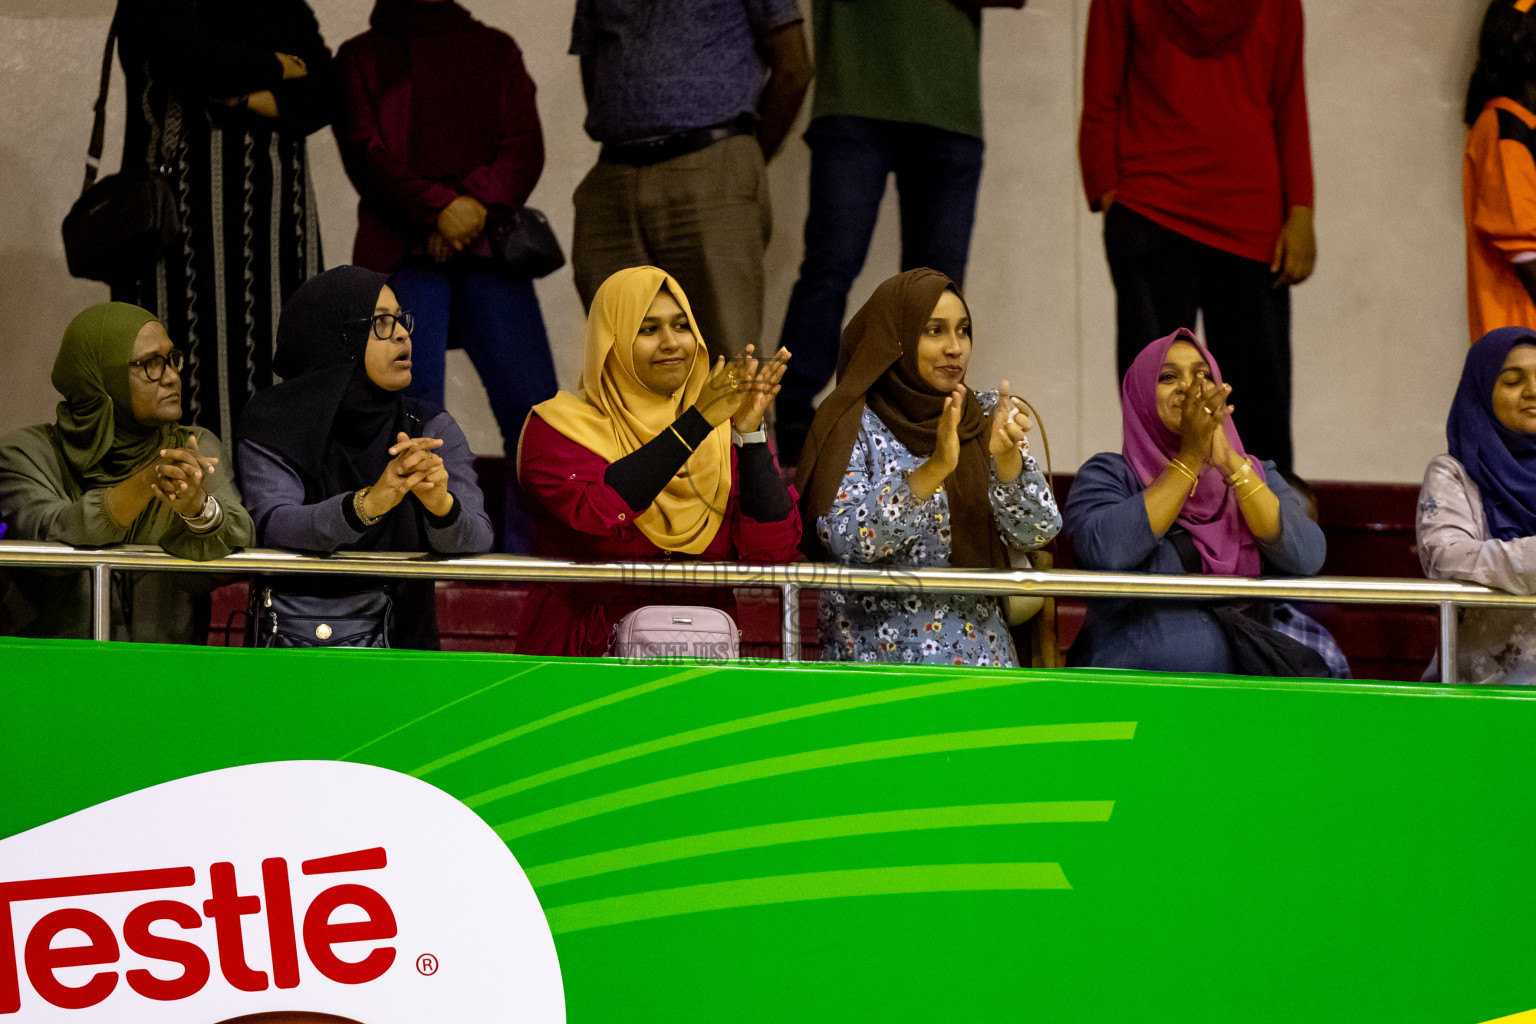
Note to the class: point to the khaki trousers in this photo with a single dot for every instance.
(704, 218)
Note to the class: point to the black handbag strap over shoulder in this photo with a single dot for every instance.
(99, 128)
(1189, 557)
(1256, 648)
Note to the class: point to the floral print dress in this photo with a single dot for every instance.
(876, 521)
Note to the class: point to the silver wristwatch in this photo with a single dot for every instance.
(758, 436)
(207, 517)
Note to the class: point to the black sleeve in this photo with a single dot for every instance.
(443, 522)
(307, 104)
(185, 51)
(763, 494)
(640, 475)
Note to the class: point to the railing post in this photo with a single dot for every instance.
(101, 601)
(1448, 641)
(789, 621)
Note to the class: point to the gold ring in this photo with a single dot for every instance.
(1208, 411)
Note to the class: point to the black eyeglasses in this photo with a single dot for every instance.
(154, 366)
(384, 323)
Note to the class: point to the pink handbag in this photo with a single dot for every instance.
(676, 631)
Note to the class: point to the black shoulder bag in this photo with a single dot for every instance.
(526, 244)
(123, 220)
(1257, 649)
(325, 612)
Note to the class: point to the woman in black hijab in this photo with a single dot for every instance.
(339, 460)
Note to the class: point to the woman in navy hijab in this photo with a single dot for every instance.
(1477, 508)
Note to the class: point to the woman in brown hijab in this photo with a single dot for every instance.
(907, 467)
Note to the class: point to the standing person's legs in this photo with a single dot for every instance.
(938, 174)
(705, 220)
(606, 237)
(426, 289)
(1248, 326)
(497, 319)
(1157, 280)
(850, 161)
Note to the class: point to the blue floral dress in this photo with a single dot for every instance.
(876, 521)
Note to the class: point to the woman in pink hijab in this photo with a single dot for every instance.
(1183, 496)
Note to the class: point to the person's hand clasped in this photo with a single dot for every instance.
(739, 390)
(415, 469)
(461, 222)
(439, 248)
(178, 475)
(1010, 426)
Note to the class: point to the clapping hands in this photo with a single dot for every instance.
(739, 390)
(1202, 433)
(1010, 426)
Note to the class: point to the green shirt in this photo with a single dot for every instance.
(41, 499)
(915, 61)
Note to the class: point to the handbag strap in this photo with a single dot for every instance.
(99, 128)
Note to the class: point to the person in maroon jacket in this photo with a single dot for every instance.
(1194, 144)
(441, 137)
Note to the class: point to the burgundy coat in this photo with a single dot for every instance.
(398, 206)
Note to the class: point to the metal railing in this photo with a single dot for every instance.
(788, 579)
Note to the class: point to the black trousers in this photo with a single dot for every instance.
(1162, 279)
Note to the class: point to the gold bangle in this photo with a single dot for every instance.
(680, 438)
(1241, 473)
(1194, 481)
(1258, 485)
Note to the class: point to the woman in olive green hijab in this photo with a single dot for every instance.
(117, 468)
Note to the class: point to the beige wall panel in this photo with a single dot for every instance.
(1379, 331)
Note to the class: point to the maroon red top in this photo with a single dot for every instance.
(498, 161)
(577, 516)
(1215, 147)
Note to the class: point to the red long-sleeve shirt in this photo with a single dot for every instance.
(577, 515)
(1215, 148)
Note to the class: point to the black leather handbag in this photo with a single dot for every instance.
(1255, 646)
(124, 219)
(356, 618)
(526, 244)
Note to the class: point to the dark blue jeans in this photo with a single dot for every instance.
(475, 304)
(937, 175)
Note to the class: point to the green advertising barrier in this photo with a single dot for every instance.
(799, 843)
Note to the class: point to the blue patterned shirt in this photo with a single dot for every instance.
(876, 521)
(660, 67)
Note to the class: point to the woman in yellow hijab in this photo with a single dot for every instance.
(656, 455)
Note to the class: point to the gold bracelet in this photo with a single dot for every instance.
(1194, 481)
(1258, 485)
(680, 438)
(1241, 473)
(357, 506)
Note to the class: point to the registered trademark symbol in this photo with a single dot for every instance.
(427, 964)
